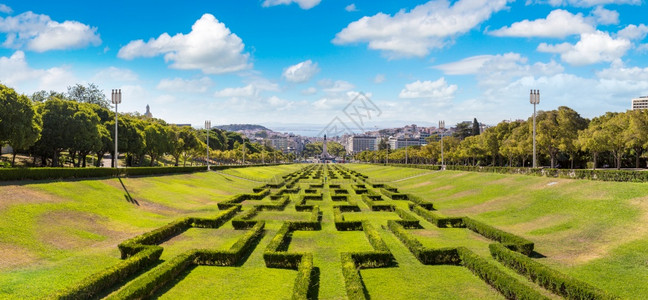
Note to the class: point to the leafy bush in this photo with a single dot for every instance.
(424, 255)
(352, 282)
(510, 287)
(94, 284)
(546, 277)
(509, 240)
(438, 220)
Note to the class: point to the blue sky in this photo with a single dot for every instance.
(277, 62)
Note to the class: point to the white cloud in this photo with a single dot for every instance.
(337, 101)
(605, 16)
(309, 91)
(5, 9)
(380, 78)
(210, 47)
(301, 72)
(337, 86)
(587, 3)
(469, 65)
(39, 33)
(633, 32)
(251, 90)
(592, 48)
(177, 84)
(351, 7)
(558, 24)
(114, 74)
(15, 72)
(427, 26)
(438, 89)
(303, 4)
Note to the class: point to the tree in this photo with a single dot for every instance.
(20, 125)
(636, 135)
(592, 138)
(156, 139)
(518, 144)
(612, 135)
(87, 94)
(557, 130)
(87, 137)
(475, 127)
(58, 117)
(42, 96)
(462, 130)
(570, 122)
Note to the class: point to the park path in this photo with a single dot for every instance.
(418, 175)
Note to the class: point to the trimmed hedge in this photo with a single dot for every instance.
(343, 225)
(237, 199)
(303, 281)
(407, 220)
(132, 246)
(507, 285)
(509, 240)
(63, 173)
(436, 219)
(355, 289)
(145, 285)
(427, 256)
(94, 284)
(546, 277)
(377, 205)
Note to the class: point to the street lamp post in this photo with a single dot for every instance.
(534, 98)
(116, 99)
(208, 127)
(442, 126)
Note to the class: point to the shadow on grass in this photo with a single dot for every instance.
(127, 195)
(537, 255)
(313, 289)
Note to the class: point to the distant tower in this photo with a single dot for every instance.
(148, 113)
(325, 155)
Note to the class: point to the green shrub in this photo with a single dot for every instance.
(509, 240)
(546, 277)
(94, 284)
(352, 281)
(510, 287)
(304, 277)
(436, 219)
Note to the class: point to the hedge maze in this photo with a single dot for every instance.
(328, 224)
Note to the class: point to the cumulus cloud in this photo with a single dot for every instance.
(303, 4)
(605, 16)
(336, 86)
(587, 3)
(351, 7)
(210, 47)
(592, 48)
(425, 27)
(15, 72)
(40, 33)
(252, 89)
(558, 24)
(633, 32)
(5, 9)
(438, 89)
(309, 91)
(177, 84)
(301, 72)
(336, 101)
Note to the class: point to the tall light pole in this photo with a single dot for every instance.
(442, 127)
(116, 99)
(534, 98)
(208, 127)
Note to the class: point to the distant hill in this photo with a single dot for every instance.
(237, 127)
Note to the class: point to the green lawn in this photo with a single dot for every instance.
(589, 229)
(55, 233)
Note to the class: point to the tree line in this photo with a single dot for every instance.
(52, 126)
(564, 139)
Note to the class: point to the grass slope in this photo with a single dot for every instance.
(592, 230)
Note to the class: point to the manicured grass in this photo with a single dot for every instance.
(55, 233)
(590, 229)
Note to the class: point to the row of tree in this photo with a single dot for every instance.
(563, 137)
(79, 123)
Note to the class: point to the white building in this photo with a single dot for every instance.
(359, 143)
(402, 142)
(640, 103)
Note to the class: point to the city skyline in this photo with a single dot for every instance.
(277, 62)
